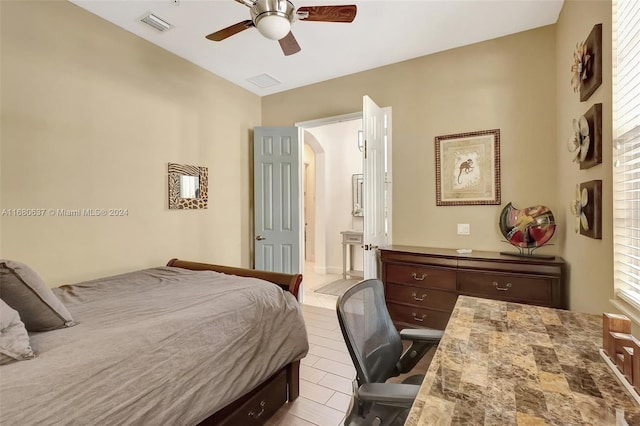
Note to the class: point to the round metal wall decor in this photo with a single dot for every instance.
(527, 228)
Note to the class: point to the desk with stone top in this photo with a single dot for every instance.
(502, 363)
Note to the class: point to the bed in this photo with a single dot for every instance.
(184, 344)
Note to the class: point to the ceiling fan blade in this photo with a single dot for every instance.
(289, 44)
(229, 31)
(345, 13)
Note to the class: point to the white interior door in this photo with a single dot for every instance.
(277, 199)
(376, 199)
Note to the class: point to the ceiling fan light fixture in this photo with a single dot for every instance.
(272, 18)
(273, 26)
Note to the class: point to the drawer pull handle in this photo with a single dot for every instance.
(415, 317)
(415, 277)
(257, 415)
(505, 287)
(419, 299)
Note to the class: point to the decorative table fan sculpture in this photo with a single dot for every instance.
(527, 229)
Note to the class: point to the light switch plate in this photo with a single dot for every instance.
(464, 229)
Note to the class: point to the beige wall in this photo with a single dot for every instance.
(519, 84)
(590, 261)
(507, 83)
(91, 115)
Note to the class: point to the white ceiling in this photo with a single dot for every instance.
(382, 33)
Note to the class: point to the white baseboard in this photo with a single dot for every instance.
(323, 270)
(320, 270)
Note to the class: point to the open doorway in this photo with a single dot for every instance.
(278, 193)
(331, 158)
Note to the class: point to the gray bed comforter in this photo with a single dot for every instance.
(162, 346)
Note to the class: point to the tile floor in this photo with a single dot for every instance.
(312, 281)
(326, 373)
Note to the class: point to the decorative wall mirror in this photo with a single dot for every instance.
(188, 186)
(357, 182)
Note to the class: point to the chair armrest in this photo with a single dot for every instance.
(422, 340)
(426, 335)
(396, 394)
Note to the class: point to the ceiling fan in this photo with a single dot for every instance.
(273, 19)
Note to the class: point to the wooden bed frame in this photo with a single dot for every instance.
(257, 406)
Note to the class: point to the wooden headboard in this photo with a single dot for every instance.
(289, 282)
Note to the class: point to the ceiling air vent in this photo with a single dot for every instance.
(156, 22)
(264, 80)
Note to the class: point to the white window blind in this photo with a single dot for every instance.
(626, 170)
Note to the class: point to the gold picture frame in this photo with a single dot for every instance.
(468, 168)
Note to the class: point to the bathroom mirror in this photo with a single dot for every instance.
(357, 187)
(188, 186)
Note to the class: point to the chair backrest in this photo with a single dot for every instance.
(373, 341)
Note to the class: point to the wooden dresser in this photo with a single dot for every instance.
(422, 284)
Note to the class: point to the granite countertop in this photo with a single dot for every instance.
(503, 363)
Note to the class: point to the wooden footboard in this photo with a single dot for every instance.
(257, 406)
(289, 282)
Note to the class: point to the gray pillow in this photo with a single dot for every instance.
(23, 290)
(14, 340)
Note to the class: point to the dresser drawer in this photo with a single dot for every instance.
(421, 276)
(262, 405)
(506, 287)
(491, 275)
(411, 316)
(420, 296)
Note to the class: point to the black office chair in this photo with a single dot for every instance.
(376, 349)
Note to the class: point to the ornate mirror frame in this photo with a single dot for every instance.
(201, 192)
